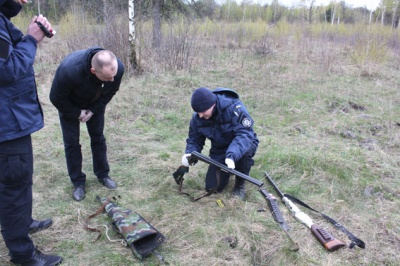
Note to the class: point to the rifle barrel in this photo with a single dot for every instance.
(280, 194)
(208, 160)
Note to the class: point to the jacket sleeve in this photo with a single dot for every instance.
(61, 89)
(15, 61)
(195, 140)
(99, 105)
(243, 132)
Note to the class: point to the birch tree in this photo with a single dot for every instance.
(395, 7)
(370, 17)
(132, 36)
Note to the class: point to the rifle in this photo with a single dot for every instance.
(328, 241)
(272, 204)
(224, 168)
(277, 215)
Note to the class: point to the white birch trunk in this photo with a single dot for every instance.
(133, 57)
(370, 17)
(131, 21)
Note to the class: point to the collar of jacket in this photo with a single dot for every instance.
(10, 8)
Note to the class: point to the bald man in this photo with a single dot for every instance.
(84, 83)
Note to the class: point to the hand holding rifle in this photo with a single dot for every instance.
(185, 159)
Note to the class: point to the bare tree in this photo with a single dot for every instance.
(156, 11)
(311, 11)
(395, 7)
(308, 10)
(132, 36)
(370, 17)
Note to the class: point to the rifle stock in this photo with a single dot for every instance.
(328, 241)
(224, 168)
(325, 238)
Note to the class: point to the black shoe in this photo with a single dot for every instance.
(108, 182)
(37, 226)
(79, 193)
(40, 259)
(239, 189)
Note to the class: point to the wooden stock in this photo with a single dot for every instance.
(326, 239)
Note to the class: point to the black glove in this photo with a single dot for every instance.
(179, 173)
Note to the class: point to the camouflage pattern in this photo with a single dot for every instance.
(137, 232)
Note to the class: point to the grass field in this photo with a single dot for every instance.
(327, 117)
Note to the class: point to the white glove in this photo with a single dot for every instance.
(230, 163)
(185, 161)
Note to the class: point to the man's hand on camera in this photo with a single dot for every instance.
(35, 30)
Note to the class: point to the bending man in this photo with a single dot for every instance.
(84, 83)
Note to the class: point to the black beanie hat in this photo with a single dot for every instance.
(202, 99)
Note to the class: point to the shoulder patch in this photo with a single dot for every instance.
(246, 122)
(4, 49)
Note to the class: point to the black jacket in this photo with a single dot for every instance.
(75, 88)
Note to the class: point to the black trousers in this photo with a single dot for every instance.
(73, 154)
(243, 165)
(16, 170)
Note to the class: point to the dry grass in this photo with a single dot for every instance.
(329, 134)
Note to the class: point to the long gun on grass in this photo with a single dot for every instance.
(201, 157)
(328, 241)
(272, 204)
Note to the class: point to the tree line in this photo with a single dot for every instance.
(336, 12)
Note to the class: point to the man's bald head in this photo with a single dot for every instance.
(104, 65)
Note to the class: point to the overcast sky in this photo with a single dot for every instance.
(370, 4)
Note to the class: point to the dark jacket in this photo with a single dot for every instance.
(20, 110)
(75, 88)
(230, 129)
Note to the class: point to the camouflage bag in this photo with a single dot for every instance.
(138, 234)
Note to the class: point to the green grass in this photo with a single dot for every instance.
(340, 160)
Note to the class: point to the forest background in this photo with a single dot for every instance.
(324, 94)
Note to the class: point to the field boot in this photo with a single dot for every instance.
(239, 189)
(108, 182)
(40, 259)
(37, 225)
(79, 193)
